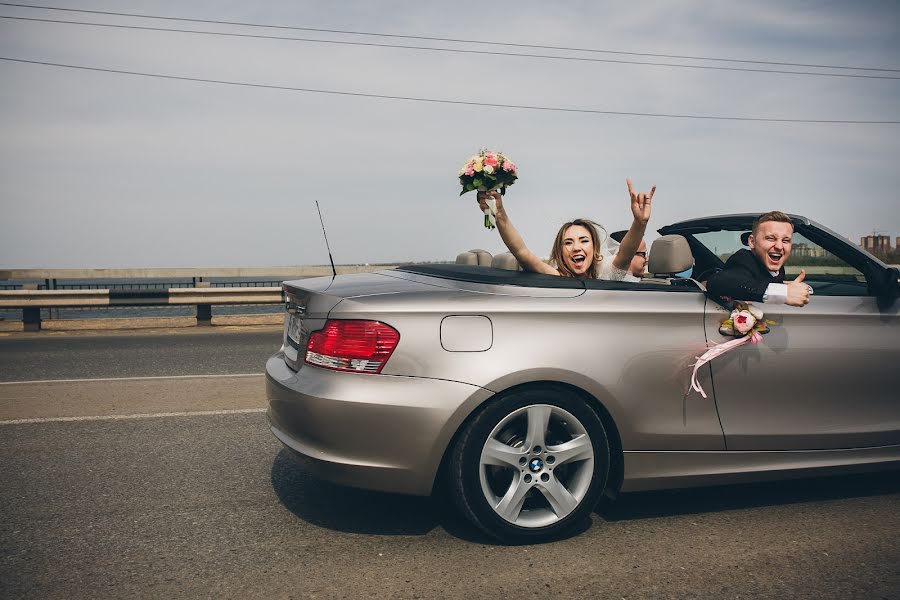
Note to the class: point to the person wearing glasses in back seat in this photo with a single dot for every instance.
(638, 261)
(757, 274)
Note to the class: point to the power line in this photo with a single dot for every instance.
(445, 101)
(450, 50)
(453, 40)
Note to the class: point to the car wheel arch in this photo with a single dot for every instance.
(616, 466)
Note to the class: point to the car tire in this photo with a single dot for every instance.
(531, 465)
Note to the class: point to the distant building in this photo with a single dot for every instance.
(807, 251)
(877, 244)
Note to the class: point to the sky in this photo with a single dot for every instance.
(106, 170)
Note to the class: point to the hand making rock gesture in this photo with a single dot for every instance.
(640, 203)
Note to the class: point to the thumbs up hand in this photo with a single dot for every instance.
(798, 292)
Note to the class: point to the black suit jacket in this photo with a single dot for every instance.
(743, 278)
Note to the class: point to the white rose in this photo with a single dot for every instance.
(755, 311)
(488, 169)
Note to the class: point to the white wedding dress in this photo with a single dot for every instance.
(608, 248)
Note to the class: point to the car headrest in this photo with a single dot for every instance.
(745, 238)
(474, 257)
(670, 254)
(506, 261)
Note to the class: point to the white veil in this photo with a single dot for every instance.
(607, 246)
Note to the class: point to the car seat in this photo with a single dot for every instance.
(506, 261)
(474, 257)
(669, 255)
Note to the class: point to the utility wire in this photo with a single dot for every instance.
(452, 50)
(444, 101)
(442, 39)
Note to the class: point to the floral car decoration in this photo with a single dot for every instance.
(746, 323)
(745, 320)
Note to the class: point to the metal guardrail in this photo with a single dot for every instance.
(32, 301)
(34, 290)
(192, 274)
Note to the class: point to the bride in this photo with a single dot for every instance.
(576, 250)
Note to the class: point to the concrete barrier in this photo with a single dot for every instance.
(11, 326)
(117, 323)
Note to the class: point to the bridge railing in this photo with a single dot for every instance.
(33, 291)
(31, 302)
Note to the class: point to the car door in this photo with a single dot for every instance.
(638, 341)
(827, 376)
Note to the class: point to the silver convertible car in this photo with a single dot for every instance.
(528, 396)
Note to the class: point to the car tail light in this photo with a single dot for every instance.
(351, 345)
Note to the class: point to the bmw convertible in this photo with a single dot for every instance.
(528, 397)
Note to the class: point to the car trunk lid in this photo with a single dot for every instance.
(309, 301)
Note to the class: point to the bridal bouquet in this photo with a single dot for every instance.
(485, 172)
(746, 323)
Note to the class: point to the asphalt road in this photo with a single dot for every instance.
(51, 355)
(208, 505)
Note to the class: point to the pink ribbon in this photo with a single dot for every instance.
(719, 350)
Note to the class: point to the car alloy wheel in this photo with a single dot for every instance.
(531, 465)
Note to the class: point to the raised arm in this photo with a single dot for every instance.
(640, 210)
(513, 240)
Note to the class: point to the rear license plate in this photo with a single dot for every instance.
(295, 329)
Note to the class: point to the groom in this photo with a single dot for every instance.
(758, 274)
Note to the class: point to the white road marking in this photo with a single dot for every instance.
(199, 413)
(39, 381)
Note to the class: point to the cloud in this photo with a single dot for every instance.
(98, 168)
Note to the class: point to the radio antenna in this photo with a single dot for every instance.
(333, 269)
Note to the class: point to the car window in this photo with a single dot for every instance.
(825, 272)
(721, 243)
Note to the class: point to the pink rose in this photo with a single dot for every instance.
(490, 159)
(743, 321)
(469, 170)
(509, 166)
